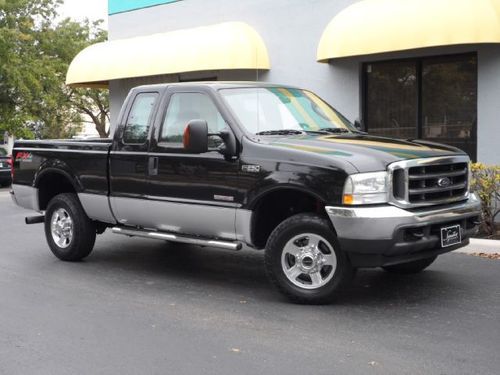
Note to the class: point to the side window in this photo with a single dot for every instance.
(184, 107)
(137, 126)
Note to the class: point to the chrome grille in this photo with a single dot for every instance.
(433, 181)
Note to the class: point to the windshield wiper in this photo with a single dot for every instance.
(334, 130)
(280, 132)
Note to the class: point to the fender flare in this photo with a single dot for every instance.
(62, 170)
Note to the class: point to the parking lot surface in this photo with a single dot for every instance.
(144, 307)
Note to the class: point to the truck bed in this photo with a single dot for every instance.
(85, 162)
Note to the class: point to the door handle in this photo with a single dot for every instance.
(153, 166)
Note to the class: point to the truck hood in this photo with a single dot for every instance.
(365, 152)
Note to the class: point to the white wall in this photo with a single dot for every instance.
(488, 106)
(291, 30)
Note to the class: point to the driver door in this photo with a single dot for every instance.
(194, 193)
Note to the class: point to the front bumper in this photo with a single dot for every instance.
(385, 234)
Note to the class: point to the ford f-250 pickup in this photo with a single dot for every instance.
(253, 165)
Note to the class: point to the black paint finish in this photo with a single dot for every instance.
(317, 164)
(83, 163)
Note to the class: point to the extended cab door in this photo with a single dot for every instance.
(193, 193)
(128, 159)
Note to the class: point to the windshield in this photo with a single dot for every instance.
(263, 109)
(3, 152)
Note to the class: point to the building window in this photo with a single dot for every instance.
(429, 98)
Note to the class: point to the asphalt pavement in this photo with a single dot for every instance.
(137, 306)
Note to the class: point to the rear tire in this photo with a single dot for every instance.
(69, 232)
(304, 261)
(410, 267)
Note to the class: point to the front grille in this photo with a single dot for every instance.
(425, 183)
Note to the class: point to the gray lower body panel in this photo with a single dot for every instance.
(177, 217)
(25, 196)
(97, 207)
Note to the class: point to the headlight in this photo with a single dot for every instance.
(366, 188)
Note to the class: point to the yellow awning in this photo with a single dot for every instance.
(230, 45)
(378, 26)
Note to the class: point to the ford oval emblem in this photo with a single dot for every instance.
(444, 182)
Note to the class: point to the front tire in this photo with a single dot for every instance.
(69, 232)
(304, 261)
(410, 267)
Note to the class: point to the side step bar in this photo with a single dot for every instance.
(228, 245)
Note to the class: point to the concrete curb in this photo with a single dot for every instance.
(479, 245)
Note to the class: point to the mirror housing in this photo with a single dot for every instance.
(195, 137)
(358, 125)
(229, 148)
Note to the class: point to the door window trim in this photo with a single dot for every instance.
(167, 147)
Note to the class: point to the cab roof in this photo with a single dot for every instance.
(216, 85)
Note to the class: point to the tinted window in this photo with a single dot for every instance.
(184, 107)
(429, 98)
(137, 126)
(391, 93)
(449, 101)
(2, 152)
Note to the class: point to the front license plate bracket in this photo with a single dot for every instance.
(451, 235)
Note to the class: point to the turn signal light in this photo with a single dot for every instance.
(348, 199)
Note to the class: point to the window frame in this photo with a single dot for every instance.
(419, 62)
(170, 147)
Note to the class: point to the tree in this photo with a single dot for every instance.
(21, 65)
(65, 41)
(35, 53)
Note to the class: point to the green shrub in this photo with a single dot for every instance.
(486, 184)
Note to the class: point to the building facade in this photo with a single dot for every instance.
(404, 68)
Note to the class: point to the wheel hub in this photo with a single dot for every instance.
(308, 261)
(61, 227)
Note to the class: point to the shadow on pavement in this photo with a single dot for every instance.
(243, 272)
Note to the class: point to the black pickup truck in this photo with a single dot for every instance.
(253, 165)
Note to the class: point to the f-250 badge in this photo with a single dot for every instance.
(250, 168)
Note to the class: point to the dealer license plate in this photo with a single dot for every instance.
(450, 235)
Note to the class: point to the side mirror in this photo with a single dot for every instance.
(195, 138)
(229, 149)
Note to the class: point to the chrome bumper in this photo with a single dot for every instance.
(381, 222)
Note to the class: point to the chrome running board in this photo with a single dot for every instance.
(228, 245)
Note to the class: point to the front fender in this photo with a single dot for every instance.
(325, 185)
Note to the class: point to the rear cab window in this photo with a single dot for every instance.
(138, 121)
